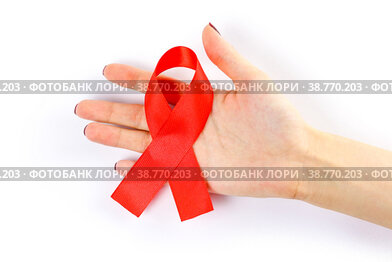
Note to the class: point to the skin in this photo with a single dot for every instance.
(252, 130)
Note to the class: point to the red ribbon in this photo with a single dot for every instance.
(173, 132)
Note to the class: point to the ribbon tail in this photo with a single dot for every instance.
(191, 195)
(136, 195)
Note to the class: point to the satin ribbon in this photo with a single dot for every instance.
(173, 132)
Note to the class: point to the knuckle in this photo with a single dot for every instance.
(138, 117)
(146, 141)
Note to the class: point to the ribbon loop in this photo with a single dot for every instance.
(173, 132)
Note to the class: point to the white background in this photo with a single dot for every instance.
(74, 39)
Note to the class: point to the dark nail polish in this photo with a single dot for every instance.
(75, 108)
(103, 71)
(84, 130)
(115, 165)
(214, 28)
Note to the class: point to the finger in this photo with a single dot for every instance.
(130, 115)
(135, 140)
(224, 56)
(123, 167)
(129, 76)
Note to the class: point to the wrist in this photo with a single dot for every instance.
(321, 148)
(315, 155)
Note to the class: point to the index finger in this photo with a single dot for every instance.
(128, 76)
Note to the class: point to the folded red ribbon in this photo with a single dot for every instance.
(173, 132)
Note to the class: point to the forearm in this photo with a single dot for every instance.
(369, 200)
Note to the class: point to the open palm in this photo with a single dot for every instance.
(243, 130)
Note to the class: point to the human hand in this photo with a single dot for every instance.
(243, 130)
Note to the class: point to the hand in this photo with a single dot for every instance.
(252, 130)
(242, 131)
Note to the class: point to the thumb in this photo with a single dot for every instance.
(224, 56)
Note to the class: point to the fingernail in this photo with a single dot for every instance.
(75, 108)
(84, 130)
(115, 165)
(103, 71)
(214, 28)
